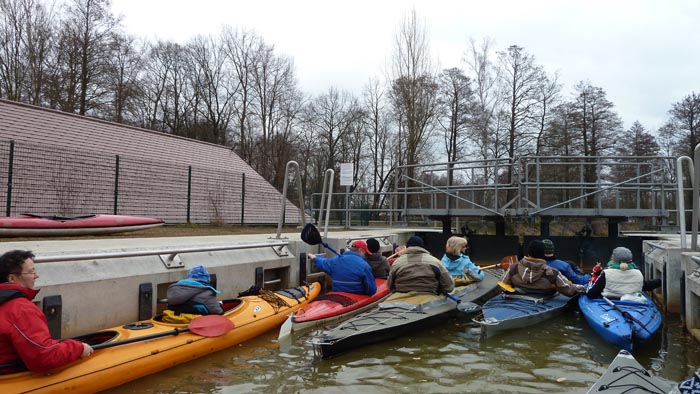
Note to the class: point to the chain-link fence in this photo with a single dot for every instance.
(47, 180)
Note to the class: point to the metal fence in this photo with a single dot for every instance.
(47, 180)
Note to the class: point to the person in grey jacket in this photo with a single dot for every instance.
(195, 294)
(417, 270)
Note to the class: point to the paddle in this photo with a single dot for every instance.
(506, 287)
(626, 315)
(311, 236)
(505, 263)
(286, 328)
(466, 307)
(205, 326)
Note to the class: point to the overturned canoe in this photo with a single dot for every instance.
(626, 375)
(28, 225)
(151, 346)
(400, 314)
(336, 305)
(508, 311)
(625, 324)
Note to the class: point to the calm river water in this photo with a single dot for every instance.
(560, 356)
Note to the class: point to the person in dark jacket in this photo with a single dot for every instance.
(563, 267)
(379, 263)
(349, 272)
(194, 295)
(25, 341)
(532, 275)
(416, 270)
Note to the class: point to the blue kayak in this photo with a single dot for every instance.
(625, 324)
(509, 311)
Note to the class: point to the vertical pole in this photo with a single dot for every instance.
(116, 184)
(189, 192)
(243, 200)
(10, 167)
(347, 206)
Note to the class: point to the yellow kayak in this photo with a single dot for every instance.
(129, 352)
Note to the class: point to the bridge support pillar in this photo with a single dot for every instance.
(544, 226)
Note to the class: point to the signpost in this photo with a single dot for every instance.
(346, 171)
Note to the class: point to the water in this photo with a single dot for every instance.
(559, 356)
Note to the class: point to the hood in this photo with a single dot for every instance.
(531, 269)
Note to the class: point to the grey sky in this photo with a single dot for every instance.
(644, 54)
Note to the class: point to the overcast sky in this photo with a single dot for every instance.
(644, 54)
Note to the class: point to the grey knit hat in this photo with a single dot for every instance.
(622, 254)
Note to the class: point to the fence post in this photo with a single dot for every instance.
(243, 200)
(116, 184)
(189, 192)
(10, 167)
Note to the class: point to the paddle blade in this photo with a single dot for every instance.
(310, 235)
(506, 287)
(286, 329)
(468, 307)
(210, 325)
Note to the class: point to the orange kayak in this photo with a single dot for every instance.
(151, 346)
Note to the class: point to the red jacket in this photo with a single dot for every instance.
(24, 333)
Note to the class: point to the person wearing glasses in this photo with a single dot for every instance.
(25, 341)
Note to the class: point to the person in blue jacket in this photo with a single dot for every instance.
(562, 266)
(458, 264)
(194, 294)
(350, 271)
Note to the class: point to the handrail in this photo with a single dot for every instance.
(139, 253)
(328, 178)
(455, 196)
(291, 163)
(681, 195)
(600, 189)
(696, 195)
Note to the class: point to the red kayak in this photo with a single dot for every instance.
(50, 226)
(333, 306)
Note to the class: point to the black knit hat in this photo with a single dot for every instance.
(373, 245)
(536, 249)
(415, 241)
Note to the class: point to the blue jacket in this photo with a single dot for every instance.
(457, 266)
(350, 273)
(566, 269)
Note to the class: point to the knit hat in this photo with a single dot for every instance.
(622, 254)
(415, 241)
(536, 249)
(200, 274)
(373, 245)
(548, 246)
(360, 244)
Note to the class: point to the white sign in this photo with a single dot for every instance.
(346, 174)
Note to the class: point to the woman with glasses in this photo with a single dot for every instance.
(25, 341)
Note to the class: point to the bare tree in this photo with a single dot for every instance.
(413, 88)
(87, 31)
(547, 99)
(683, 127)
(125, 65)
(215, 85)
(378, 135)
(243, 49)
(456, 109)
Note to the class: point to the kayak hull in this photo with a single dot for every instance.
(113, 366)
(512, 311)
(336, 305)
(398, 315)
(611, 325)
(37, 226)
(626, 375)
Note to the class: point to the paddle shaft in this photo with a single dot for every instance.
(175, 331)
(626, 315)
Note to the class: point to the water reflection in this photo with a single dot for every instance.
(562, 356)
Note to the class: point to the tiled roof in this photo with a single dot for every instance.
(35, 125)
